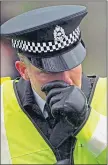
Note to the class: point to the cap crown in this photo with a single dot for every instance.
(46, 31)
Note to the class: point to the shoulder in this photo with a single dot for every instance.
(3, 79)
(99, 98)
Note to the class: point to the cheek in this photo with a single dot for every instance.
(39, 78)
(77, 71)
(76, 75)
(43, 79)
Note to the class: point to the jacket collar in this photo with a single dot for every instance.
(25, 92)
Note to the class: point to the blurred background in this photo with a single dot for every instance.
(93, 26)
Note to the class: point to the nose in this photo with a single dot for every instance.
(65, 76)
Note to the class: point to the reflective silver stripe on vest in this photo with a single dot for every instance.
(5, 154)
(98, 141)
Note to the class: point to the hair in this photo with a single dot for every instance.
(23, 58)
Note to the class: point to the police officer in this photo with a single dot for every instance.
(53, 114)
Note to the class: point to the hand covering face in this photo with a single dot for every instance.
(66, 101)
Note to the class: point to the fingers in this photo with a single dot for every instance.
(52, 93)
(54, 84)
(55, 99)
(57, 109)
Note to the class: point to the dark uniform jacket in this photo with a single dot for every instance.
(28, 104)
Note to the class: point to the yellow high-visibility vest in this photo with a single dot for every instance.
(23, 144)
(3, 79)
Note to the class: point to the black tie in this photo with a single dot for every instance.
(49, 118)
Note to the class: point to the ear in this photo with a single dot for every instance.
(22, 69)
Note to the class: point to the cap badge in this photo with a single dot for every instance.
(59, 34)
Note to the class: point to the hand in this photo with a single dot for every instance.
(66, 101)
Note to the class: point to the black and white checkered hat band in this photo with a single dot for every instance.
(44, 47)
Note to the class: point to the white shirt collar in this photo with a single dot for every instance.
(39, 100)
